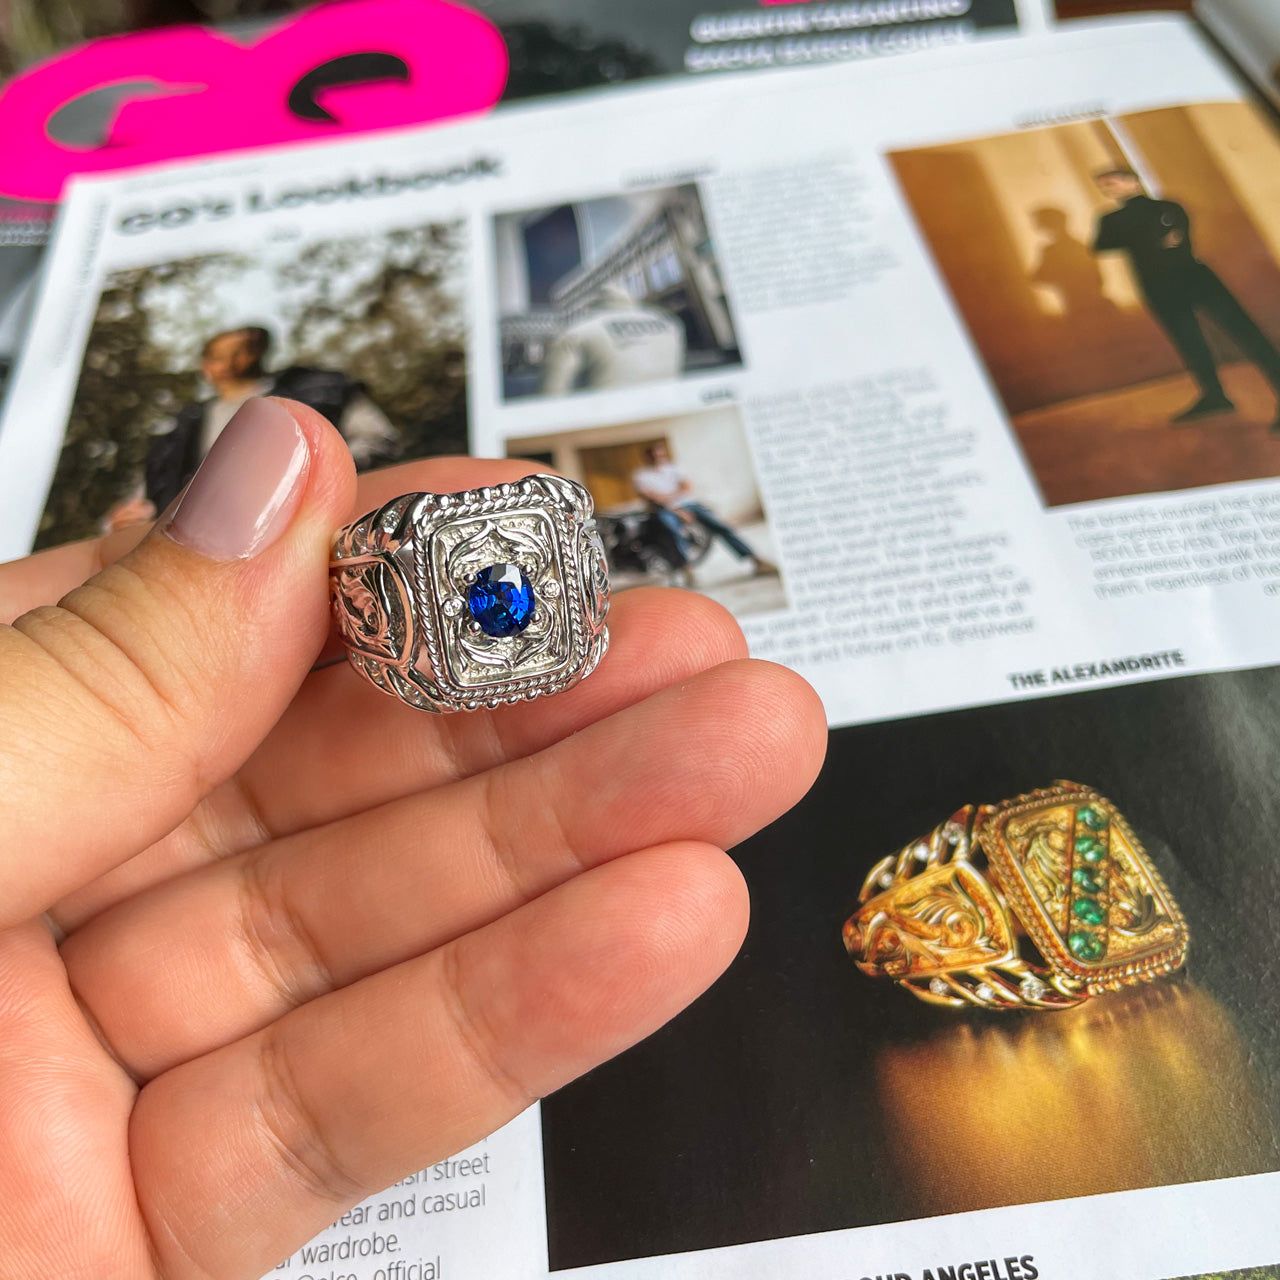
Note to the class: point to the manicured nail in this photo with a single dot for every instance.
(245, 492)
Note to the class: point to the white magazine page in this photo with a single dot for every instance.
(927, 555)
(860, 356)
(930, 555)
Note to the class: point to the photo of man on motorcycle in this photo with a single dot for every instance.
(683, 526)
(677, 504)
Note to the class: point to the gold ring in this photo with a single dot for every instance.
(1039, 902)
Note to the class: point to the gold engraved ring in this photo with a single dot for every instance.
(1039, 902)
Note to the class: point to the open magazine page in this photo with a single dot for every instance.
(955, 380)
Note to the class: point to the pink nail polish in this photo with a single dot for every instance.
(247, 489)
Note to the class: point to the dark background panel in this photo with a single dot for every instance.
(799, 1096)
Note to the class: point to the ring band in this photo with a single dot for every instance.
(1038, 902)
(460, 601)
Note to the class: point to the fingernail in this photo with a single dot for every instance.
(247, 489)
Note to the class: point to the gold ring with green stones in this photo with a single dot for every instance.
(1039, 902)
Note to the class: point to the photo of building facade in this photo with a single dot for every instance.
(611, 292)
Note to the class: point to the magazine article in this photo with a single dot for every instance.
(957, 380)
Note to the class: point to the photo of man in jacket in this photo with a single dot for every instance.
(233, 364)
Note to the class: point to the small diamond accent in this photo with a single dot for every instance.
(920, 852)
(886, 879)
(550, 588)
(984, 991)
(939, 988)
(452, 607)
(1032, 988)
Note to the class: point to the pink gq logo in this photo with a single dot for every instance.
(342, 67)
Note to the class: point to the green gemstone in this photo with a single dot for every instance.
(1086, 946)
(1087, 910)
(1092, 818)
(1094, 854)
(1086, 845)
(1085, 880)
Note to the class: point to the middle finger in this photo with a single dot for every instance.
(213, 956)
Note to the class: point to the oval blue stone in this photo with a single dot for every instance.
(501, 600)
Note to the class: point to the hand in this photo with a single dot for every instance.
(300, 940)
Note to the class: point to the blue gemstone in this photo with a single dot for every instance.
(501, 600)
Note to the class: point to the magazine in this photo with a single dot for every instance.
(967, 367)
(86, 77)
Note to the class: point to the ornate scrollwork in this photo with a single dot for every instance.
(594, 564)
(930, 919)
(922, 934)
(1046, 860)
(369, 610)
(460, 549)
(514, 543)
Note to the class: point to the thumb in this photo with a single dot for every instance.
(149, 685)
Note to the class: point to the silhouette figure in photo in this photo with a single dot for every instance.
(1068, 266)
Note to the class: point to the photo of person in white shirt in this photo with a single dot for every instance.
(677, 504)
(662, 484)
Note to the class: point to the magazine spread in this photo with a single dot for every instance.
(957, 380)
